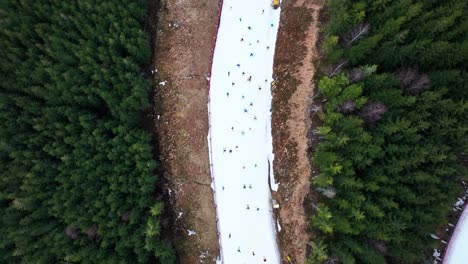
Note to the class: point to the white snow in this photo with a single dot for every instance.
(460, 202)
(204, 255)
(241, 151)
(457, 250)
(191, 232)
(179, 215)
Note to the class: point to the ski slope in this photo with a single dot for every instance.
(457, 250)
(240, 139)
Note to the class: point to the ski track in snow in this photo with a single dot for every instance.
(241, 151)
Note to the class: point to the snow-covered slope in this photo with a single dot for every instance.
(240, 131)
(457, 250)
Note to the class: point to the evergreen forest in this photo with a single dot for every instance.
(77, 180)
(392, 99)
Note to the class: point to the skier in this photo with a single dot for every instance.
(243, 97)
(230, 151)
(240, 19)
(255, 165)
(238, 250)
(253, 253)
(242, 132)
(250, 186)
(229, 235)
(249, 79)
(238, 65)
(224, 150)
(268, 47)
(263, 11)
(232, 128)
(258, 41)
(245, 110)
(258, 209)
(233, 83)
(251, 104)
(243, 73)
(242, 39)
(264, 259)
(251, 55)
(248, 207)
(229, 73)
(223, 188)
(249, 28)
(227, 94)
(259, 88)
(244, 186)
(255, 117)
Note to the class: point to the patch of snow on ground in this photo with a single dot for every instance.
(179, 215)
(460, 202)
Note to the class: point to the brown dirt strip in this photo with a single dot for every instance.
(294, 73)
(181, 55)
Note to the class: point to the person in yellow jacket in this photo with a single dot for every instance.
(276, 4)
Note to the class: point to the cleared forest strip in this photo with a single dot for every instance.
(181, 67)
(294, 72)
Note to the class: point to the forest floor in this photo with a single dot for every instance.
(294, 71)
(181, 61)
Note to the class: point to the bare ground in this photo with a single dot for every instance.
(294, 73)
(181, 59)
